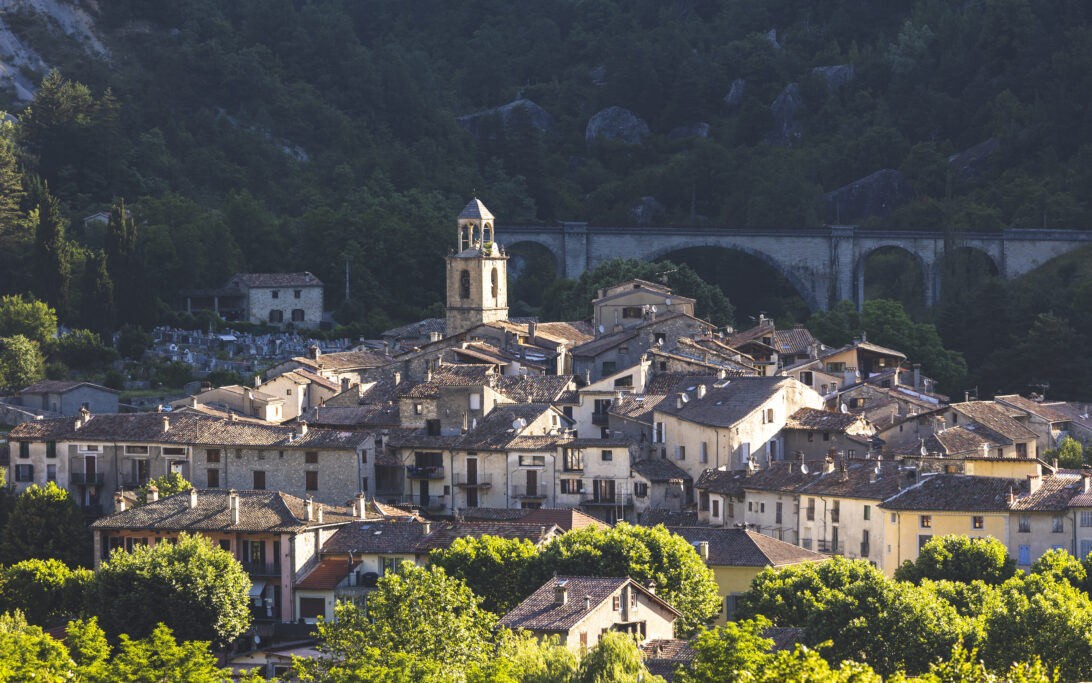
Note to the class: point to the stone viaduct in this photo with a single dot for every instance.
(826, 265)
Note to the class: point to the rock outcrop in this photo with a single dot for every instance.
(836, 76)
(785, 126)
(616, 123)
(972, 162)
(648, 211)
(539, 117)
(734, 98)
(877, 194)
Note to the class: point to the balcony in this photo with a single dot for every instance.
(481, 481)
(92, 510)
(832, 548)
(432, 502)
(619, 500)
(262, 568)
(85, 479)
(525, 492)
(264, 613)
(425, 472)
(600, 419)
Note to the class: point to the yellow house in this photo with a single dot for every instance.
(946, 504)
(736, 556)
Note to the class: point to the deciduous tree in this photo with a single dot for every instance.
(46, 524)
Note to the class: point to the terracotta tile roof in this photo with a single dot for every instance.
(185, 428)
(784, 476)
(728, 403)
(957, 492)
(317, 379)
(327, 574)
(422, 328)
(1054, 493)
(1051, 412)
(664, 657)
(303, 279)
(594, 348)
(723, 482)
(491, 514)
(660, 470)
(495, 431)
(446, 533)
(572, 332)
(636, 285)
(637, 407)
(745, 548)
(988, 414)
(533, 388)
(784, 637)
(57, 386)
(540, 612)
(716, 365)
(345, 360)
(859, 479)
(376, 537)
(259, 512)
(359, 417)
(966, 439)
(457, 375)
(670, 383)
(566, 519)
(812, 419)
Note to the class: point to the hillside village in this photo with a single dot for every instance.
(762, 447)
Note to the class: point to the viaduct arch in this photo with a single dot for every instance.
(826, 265)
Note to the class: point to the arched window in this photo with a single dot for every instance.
(464, 284)
(493, 280)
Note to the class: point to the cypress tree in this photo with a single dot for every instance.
(98, 308)
(52, 255)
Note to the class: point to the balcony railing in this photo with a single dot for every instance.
(262, 568)
(600, 419)
(425, 472)
(832, 548)
(93, 510)
(521, 491)
(85, 479)
(481, 481)
(434, 501)
(622, 499)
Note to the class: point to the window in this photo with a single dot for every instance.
(616, 603)
(658, 433)
(24, 473)
(806, 377)
(811, 437)
(640, 489)
(24, 449)
(811, 510)
(867, 512)
(1086, 517)
(1024, 524)
(276, 293)
(750, 506)
(475, 401)
(826, 436)
(703, 453)
(836, 367)
(777, 513)
(238, 453)
(767, 416)
(1021, 450)
(136, 450)
(608, 367)
(174, 450)
(493, 283)
(572, 486)
(574, 460)
(213, 478)
(51, 449)
(926, 521)
(716, 507)
(464, 284)
(212, 455)
(259, 480)
(310, 457)
(311, 479)
(762, 507)
(1057, 524)
(297, 315)
(703, 501)
(731, 509)
(894, 518)
(297, 293)
(606, 456)
(276, 315)
(978, 522)
(417, 408)
(390, 564)
(680, 452)
(729, 606)
(51, 473)
(532, 461)
(432, 427)
(631, 312)
(923, 539)
(1086, 547)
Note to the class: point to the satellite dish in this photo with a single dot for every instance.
(516, 423)
(843, 408)
(751, 465)
(804, 468)
(602, 329)
(666, 301)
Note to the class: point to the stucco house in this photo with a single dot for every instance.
(62, 397)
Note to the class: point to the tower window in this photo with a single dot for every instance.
(493, 280)
(464, 284)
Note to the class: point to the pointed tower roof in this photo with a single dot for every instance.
(475, 209)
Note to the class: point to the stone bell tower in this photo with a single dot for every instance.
(477, 279)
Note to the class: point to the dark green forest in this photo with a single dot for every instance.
(267, 135)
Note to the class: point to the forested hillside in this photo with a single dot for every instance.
(292, 135)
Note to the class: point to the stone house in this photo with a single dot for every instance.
(343, 368)
(62, 397)
(604, 355)
(592, 413)
(578, 610)
(816, 434)
(658, 484)
(730, 423)
(736, 556)
(95, 455)
(301, 390)
(274, 535)
(781, 347)
(1051, 422)
(288, 300)
(992, 423)
(626, 304)
(241, 400)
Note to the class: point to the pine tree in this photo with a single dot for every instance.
(121, 259)
(11, 183)
(98, 308)
(52, 255)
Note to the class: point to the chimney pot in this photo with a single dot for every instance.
(426, 528)
(309, 509)
(153, 493)
(361, 506)
(166, 423)
(1034, 481)
(119, 502)
(193, 498)
(652, 587)
(561, 592)
(303, 428)
(587, 603)
(542, 532)
(1085, 478)
(703, 550)
(318, 515)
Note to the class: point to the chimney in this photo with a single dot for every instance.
(532, 329)
(1054, 465)
(153, 493)
(426, 528)
(1085, 478)
(845, 471)
(303, 428)
(193, 401)
(166, 423)
(309, 509)
(701, 391)
(428, 375)
(828, 465)
(193, 498)
(542, 533)
(360, 507)
(917, 375)
(233, 505)
(119, 502)
(318, 515)
(83, 417)
(874, 473)
(257, 381)
(703, 550)
(587, 603)
(652, 586)
(398, 378)
(1034, 482)
(386, 348)
(232, 417)
(314, 352)
(561, 592)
